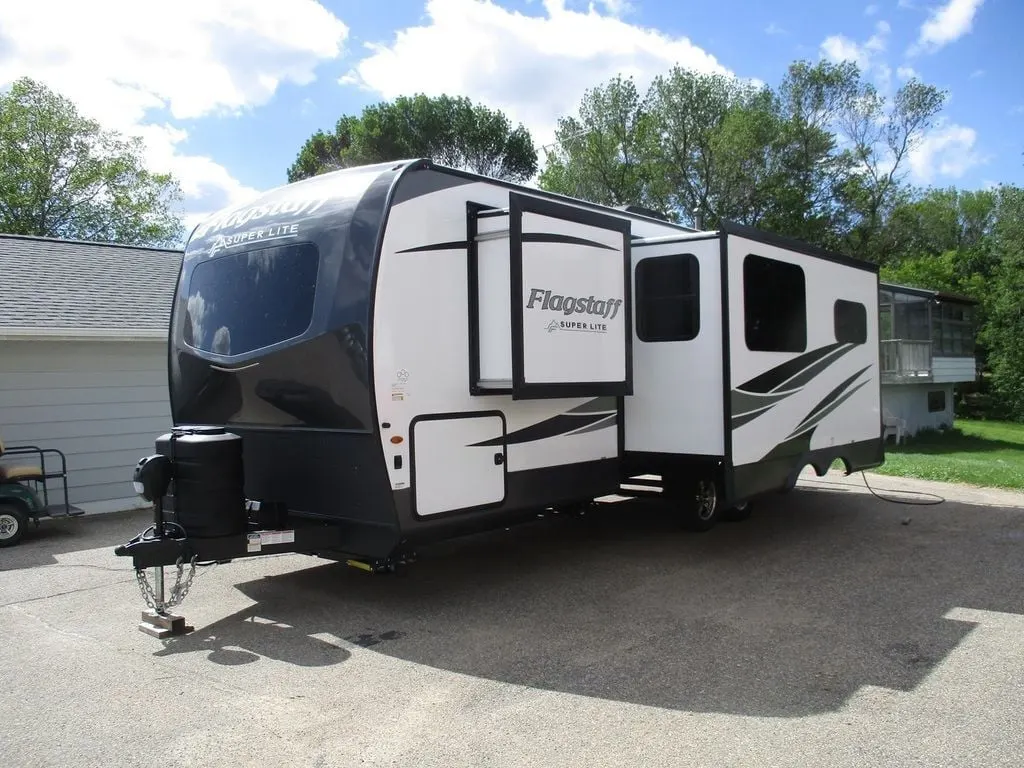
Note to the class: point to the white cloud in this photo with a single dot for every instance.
(617, 7)
(535, 68)
(977, 73)
(906, 73)
(841, 48)
(946, 24)
(774, 29)
(947, 150)
(120, 59)
(871, 10)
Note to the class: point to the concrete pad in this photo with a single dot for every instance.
(825, 630)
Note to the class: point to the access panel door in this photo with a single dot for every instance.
(458, 462)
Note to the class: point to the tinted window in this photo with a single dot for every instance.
(245, 301)
(774, 305)
(668, 298)
(936, 401)
(851, 322)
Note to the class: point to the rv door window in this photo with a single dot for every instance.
(774, 305)
(851, 322)
(668, 298)
(251, 299)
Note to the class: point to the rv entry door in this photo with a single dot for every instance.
(458, 462)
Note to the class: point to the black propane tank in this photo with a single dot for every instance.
(208, 487)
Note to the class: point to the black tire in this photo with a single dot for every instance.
(738, 512)
(700, 507)
(12, 525)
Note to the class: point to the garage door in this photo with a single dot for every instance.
(103, 403)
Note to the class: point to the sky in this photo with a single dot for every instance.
(225, 92)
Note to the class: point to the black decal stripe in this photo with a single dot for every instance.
(772, 378)
(814, 369)
(550, 237)
(556, 425)
(831, 396)
(607, 421)
(793, 446)
(746, 402)
(425, 182)
(815, 419)
(744, 418)
(597, 405)
(455, 244)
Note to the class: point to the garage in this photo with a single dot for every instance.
(83, 365)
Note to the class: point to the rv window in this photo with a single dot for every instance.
(775, 305)
(851, 322)
(252, 299)
(668, 298)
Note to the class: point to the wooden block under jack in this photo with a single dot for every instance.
(161, 625)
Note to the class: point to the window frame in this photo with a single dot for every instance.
(303, 249)
(687, 301)
(862, 318)
(751, 285)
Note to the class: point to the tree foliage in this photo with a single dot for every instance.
(61, 175)
(452, 131)
(1003, 334)
(821, 157)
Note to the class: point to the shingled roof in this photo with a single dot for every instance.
(71, 288)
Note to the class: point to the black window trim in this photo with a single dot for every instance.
(746, 305)
(691, 299)
(236, 253)
(862, 318)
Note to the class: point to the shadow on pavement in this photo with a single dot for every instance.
(820, 593)
(62, 536)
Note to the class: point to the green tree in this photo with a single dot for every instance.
(608, 154)
(821, 157)
(452, 131)
(61, 175)
(1004, 331)
(882, 137)
(942, 220)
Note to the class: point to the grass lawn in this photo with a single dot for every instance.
(984, 453)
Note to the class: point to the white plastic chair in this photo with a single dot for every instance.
(894, 426)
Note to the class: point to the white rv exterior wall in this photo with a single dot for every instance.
(858, 418)
(102, 403)
(421, 342)
(910, 403)
(953, 369)
(678, 395)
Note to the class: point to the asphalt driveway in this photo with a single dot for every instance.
(830, 629)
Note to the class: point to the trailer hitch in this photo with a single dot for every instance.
(151, 549)
(156, 547)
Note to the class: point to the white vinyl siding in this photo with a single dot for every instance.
(910, 402)
(102, 403)
(953, 369)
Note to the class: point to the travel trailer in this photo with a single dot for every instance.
(382, 356)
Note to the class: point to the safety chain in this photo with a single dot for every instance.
(177, 592)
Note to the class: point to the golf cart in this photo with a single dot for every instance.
(24, 494)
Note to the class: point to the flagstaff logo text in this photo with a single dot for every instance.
(569, 305)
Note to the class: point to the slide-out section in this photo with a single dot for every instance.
(550, 301)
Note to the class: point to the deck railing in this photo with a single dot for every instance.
(906, 359)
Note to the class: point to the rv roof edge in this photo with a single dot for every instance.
(683, 237)
(798, 246)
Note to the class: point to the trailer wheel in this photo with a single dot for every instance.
(738, 512)
(12, 525)
(701, 507)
